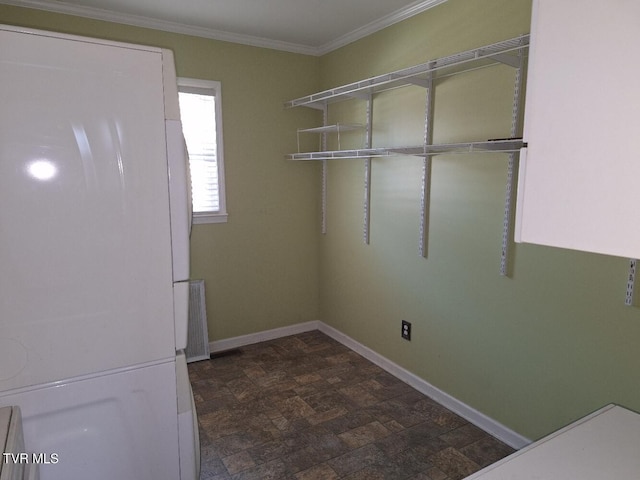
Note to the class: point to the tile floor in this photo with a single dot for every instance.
(305, 407)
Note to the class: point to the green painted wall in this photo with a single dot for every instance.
(260, 268)
(534, 351)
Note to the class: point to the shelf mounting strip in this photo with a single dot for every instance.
(507, 222)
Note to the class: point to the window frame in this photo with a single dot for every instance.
(214, 88)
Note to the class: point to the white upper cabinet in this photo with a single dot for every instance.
(579, 180)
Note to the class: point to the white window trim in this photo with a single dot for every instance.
(220, 216)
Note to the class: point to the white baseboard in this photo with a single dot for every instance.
(472, 415)
(241, 341)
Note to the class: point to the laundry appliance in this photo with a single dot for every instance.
(16, 463)
(94, 257)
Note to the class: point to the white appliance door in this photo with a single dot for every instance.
(119, 425)
(85, 240)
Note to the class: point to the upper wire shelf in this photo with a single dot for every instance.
(504, 52)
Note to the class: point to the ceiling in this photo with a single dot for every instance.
(312, 27)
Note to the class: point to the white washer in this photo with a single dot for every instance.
(187, 423)
(16, 463)
(118, 425)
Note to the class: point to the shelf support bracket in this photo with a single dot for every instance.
(325, 118)
(420, 82)
(367, 172)
(510, 60)
(631, 283)
(509, 201)
(359, 95)
(425, 194)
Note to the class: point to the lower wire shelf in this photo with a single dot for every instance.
(496, 146)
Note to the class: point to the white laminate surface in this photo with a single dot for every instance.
(603, 445)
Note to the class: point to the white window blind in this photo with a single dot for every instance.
(201, 124)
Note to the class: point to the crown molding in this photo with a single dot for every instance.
(175, 27)
(163, 25)
(377, 25)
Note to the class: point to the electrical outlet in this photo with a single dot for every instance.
(406, 330)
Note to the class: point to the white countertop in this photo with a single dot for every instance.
(602, 446)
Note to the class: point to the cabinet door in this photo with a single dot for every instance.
(579, 181)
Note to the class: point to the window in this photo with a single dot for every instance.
(201, 114)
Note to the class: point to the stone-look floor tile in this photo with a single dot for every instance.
(368, 473)
(321, 417)
(361, 436)
(435, 473)
(353, 419)
(449, 420)
(302, 459)
(243, 388)
(486, 451)
(210, 464)
(307, 378)
(269, 451)
(318, 472)
(306, 407)
(453, 463)
(344, 357)
(393, 444)
(359, 396)
(420, 433)
(238, 462)
(218, 403)
(324, 400)
(356, 460)
(410, 462)
(429, 447)
(381, 466)
(385, 392)
(286, 426)
(274, 470)
(270, 379)
(280, 422)
(423, 476)
(254, 371)
(315, 388)
(219, 424)
(396, 409)
(393, 426)
(326, 444)
(294, 407)
(235, 443)
(463, 436)
(219, 476)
